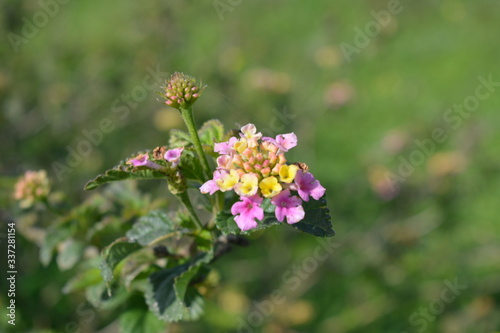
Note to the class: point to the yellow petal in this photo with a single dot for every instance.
(287, 173)
(270, 187)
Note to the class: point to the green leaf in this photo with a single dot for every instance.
(225, 223)
(267, 206)
(190, 165)
(126, 194)
(114, 253)
(105, 297)
(151, 227)
(185, 220)
(169, 294)
(69, 254)
(53, 237)
(125, 171)
(317, 221)
(203, 240)
(83, 280)
(211, 132)
(140, 321)
(104, 231)
(179, 138)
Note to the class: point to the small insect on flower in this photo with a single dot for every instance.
(302, 166)
(255, 167)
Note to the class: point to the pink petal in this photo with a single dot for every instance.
(246, 211)
(222, 161)
(294, 201)
(249, 129)
(287, 141)
(245, 223)
(288, 206)
(238, 207)
(139, 160)
(255, 198)
(225, 148)
(268, 139)
(221, 148)
(174, 156)
(209, 187)
(318, 192)
(295, 214)
(218, 174)
(258, 212)
(303, 195)
(307, 185)
(280, 213)
(281, 197)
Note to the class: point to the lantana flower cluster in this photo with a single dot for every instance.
(32, 187)
(255, 167)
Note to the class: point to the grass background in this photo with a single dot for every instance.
(280, 65)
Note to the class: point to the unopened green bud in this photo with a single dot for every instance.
(176, 182)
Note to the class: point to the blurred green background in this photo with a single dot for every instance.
(282, 65)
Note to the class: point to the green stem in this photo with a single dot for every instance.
(220, 201)
(184, 198)
(51, 207)
(187, 115)
(162, 238)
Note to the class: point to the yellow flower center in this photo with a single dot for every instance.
(287, 173)
(227, 181)
(240, 146)
(248, 185)
(270, 187)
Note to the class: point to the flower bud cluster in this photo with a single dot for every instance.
(33, 186)
(182, 90)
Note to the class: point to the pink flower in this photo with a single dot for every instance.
(288, 206)
(284, 142)
(174, 156)
(211, 186)
(225, 148)
(32, 187)
(307, 185)
(248, 209)
(249, 132)
(224, 162)
(143, 160)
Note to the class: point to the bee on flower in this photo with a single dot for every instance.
(255, 167)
